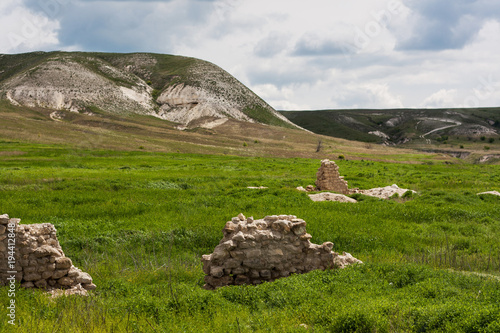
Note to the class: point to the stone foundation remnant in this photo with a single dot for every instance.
(254, 251)
(329, 179)
(33, 255)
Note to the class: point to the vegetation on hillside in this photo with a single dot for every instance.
(402, 125)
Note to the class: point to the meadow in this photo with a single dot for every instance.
(138, 223)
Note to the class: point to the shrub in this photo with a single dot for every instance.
(341, 157)
(245, 144)
(408, 194)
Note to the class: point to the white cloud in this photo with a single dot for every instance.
(24, 30)
(441, 99)
(319, 55)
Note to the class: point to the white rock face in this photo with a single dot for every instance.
(184, 104)
(65, 84)
(379, 134)
(81, 82)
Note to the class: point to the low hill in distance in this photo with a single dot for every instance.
(399, 126)
(459, 132)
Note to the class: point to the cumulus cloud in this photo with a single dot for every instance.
(314, 45)
(441, 99)
(446, 24)
(271, 45)
(317, 56)
(369, 95)
(25, 30)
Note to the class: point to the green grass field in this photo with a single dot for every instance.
(139, 222)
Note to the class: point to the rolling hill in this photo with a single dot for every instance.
(401, 126)
(184, 90)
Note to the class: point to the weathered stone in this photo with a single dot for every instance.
(66, 281)
(328, 178)
(37, 256)
(63, 263)
(83, 278)
(217, 271)
(239, 237)
(32, 277)
(89, 286)
(41, 283)
(28, 285)
(265, 250)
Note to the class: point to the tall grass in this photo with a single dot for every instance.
(139, 222)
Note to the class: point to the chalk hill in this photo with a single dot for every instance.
(183, 90)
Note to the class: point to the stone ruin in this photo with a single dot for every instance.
(329, 179)
(254, 251)
(31, 255)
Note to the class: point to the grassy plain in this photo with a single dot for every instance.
(139, 222)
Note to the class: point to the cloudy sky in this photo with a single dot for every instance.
(315, 54)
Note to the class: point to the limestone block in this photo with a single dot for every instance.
(4, 219)
(63, 263)
(66, 281)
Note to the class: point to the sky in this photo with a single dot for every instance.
(296, 55)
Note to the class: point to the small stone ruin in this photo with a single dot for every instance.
(329, 179)
(254, 251)
(32, 256)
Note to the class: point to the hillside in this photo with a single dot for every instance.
(183, 90)
(402, 126)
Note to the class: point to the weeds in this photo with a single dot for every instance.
(432, 260)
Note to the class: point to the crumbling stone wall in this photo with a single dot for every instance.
(329, 179)
(32, 254)
(254, 251)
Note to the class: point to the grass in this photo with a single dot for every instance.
(139, 221)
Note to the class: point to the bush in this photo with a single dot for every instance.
(341, 157)
(408, 194)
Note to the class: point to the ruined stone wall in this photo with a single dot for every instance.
(329, 179)
(32, 254)
(254, 251)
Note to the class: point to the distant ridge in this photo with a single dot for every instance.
(400, 126)
(184, 90)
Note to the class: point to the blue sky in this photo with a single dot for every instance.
(317, 54)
